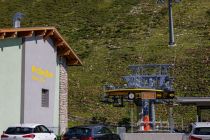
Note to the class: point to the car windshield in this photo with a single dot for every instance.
(18, 130)
(202, 131)
(79, 131)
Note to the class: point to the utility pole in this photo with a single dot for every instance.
(171, 24)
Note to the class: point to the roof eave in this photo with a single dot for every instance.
(45, 32)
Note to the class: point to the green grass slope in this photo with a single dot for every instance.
(109, 35)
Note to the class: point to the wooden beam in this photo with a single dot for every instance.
(48, 34)
(2, 35)
(25, 33)
(76, 62)
(73, 62)
(40, 32)
(29, 34)
(59, 43)
(67, 53)
(10, 35)
(57, 36)
(62, 52)
(14, 34)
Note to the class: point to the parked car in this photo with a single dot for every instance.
(28, 132)
(199, 131)
(91, 132)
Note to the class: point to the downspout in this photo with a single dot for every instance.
(22, 82)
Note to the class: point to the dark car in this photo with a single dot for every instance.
(93, 132)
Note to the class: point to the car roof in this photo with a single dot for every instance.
(88, 126)
(201, 124)
(30, 125)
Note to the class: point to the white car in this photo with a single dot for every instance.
(28, 132)
(200, 131)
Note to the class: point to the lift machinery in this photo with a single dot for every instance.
(146, 86)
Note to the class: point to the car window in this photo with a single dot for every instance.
(105, 130)
(18, 130)
(97, 130)
(37, 130)
(202, 131)
(102, 130)
(79, 131)
(43, 129)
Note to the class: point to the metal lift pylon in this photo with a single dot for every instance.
(147, 85)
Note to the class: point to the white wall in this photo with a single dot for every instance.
(154, 136)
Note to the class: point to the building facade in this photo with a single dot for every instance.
(33, 77)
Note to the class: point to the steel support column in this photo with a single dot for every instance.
(146, 118)
(171, 25)
(153, 114)
(171, 120)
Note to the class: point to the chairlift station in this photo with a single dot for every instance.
(148, 85)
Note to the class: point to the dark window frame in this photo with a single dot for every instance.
(45, 98)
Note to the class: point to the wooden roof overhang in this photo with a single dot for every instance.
(63, 49)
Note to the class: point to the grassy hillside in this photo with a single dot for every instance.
(109, 35)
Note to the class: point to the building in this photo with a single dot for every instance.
(33, 77)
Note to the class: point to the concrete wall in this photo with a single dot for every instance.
(40, 58)
(10, 82)
(153, 136)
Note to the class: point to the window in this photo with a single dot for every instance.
(18, 130)
(102, 130)
(37, 130)
(105, 130)
(79, 131)
(41, 129)
(45, 98)
(202, 131)
(44, 129)
(97, 130)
